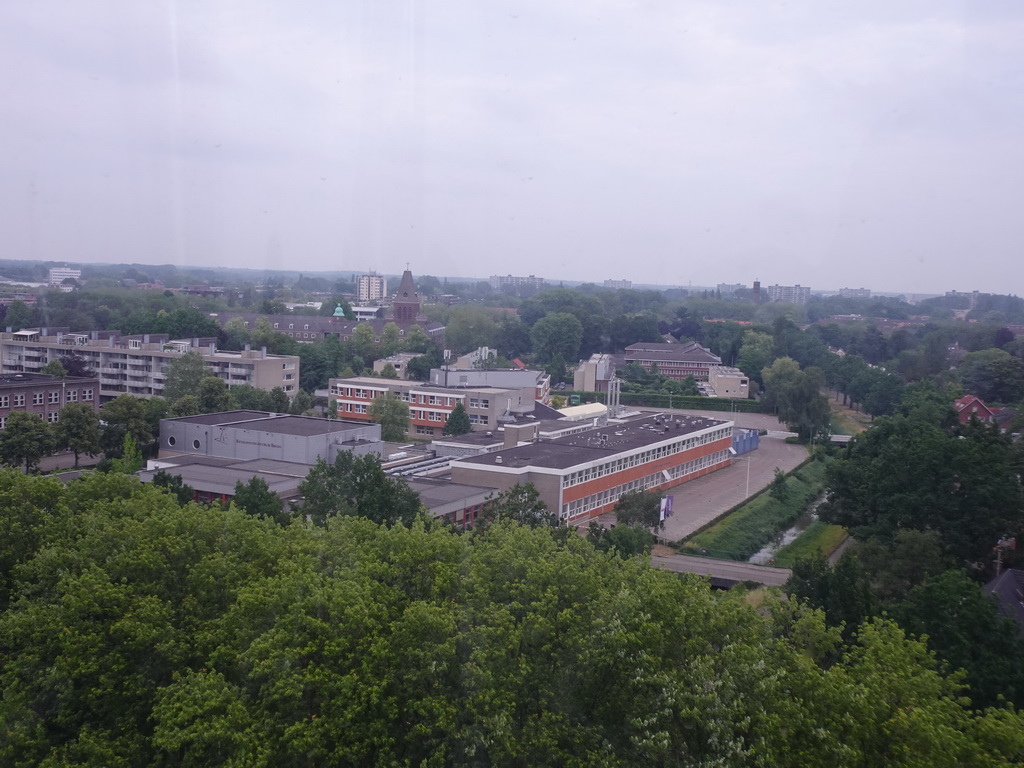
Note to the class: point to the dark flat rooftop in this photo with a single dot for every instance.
(433, 493)
(302, 425)
(584, 447)
(224, 417)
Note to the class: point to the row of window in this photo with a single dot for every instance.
(594, 501)
(617, 465)
(38, 398)
(53, 417)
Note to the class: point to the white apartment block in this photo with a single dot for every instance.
(619, 285)
(516, 281)
(371, 287)
(790, 294)
(59, 274)
(137, 365)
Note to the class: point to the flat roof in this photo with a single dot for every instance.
(224, 417)
(222, 480)
(436, 493)
(595, 444)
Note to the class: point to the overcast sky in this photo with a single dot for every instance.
(871, 143)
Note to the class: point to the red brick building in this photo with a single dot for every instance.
(44, 395)
(582, 475)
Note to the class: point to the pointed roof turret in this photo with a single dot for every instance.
(406, 306)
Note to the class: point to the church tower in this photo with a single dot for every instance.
(406, 307)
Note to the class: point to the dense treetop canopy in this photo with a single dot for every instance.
(138, 632)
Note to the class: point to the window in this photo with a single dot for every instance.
(3, 422)
(291, 326)
(52, 416)
(195, 444)
(134, 344)
(171, 441)
(360, 408)
(5, 401)
(54, 396)
(87, 394)
(72, 396)
(19, 400)
(275, 325)
(305, 327)
(435, 416)
(37, 398)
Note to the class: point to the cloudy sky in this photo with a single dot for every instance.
(830, 144)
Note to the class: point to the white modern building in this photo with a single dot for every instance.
(59, 274)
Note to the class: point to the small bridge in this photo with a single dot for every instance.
(723, 573)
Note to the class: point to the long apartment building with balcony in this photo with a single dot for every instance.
(137, 364)
(430, 405)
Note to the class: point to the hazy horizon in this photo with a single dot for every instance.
(872, 145)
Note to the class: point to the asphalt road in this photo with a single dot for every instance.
(723, 569)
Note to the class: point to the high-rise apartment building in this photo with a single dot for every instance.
(790, 294)
(619, 285)
(516, 281)
(371, 287)
(855, 293)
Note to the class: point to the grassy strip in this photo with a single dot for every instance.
(740, 534)
(819, 537)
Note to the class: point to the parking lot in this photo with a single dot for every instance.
(700, 501)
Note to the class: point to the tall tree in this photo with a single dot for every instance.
(123, 415)
(54, 368)
(184, 375)
(640, 508)
(25, 440)
(214, 395)
(356, 486)
(392, 415)
(78, 430)
(559, 333)
(522, 504)
(256, 498)
(458, 421)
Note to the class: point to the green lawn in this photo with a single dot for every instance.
(746, 530)
(819, 537)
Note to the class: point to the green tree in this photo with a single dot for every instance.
(388, 372)
(187, 405)
(256, 498)
(301, 403)
(214, 395)
(641, 508)
(278, 401)
(756, 353)
(557, 334)
(54, 368)
(392, 415)
(963, 626)
(795, 395)
(624, 540)
(130, 460)
(184, 376)
(778, 490)
(332, 409)
(522, 504)
(175, 486)
(468, 328)
(123, 415)
(78, 430)
(356, 486)
(25, 439)
(907, 473)
(19, 315)
(458, 421)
